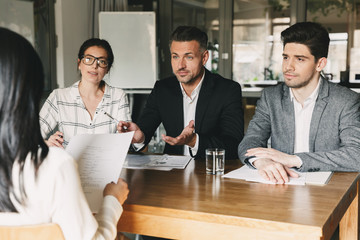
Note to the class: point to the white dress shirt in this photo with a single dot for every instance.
(189, 105)
(303, 115)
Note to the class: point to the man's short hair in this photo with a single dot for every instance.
(189, 33)
(311, 34)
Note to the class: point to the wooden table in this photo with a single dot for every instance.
(188, 204)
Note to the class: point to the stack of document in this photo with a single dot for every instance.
(156, 162)
(252, 175)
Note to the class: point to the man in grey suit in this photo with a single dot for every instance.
(313, 124)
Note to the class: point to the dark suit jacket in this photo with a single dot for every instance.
(334, 140)
(219, 119)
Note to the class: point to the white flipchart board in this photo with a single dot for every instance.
(132, 36)
(18, 16)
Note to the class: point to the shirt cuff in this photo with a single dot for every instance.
(111, 204)
(194, 149)
(299, 161)
(138, 146)
(249, 161)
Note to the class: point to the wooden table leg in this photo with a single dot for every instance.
(349, 224)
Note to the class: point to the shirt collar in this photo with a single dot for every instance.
(313, 96)
(75, 91)
(195, 92)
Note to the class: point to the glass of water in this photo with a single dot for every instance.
(215, 161)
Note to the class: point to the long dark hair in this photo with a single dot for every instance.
(21, 86)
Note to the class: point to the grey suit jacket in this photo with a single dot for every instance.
(334, 139)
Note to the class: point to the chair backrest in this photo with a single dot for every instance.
(49, 231)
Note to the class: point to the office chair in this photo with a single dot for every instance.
(48, 231)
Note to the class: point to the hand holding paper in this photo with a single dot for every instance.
(119, 190)
(100, 159)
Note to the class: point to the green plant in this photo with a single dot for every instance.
(322, 6)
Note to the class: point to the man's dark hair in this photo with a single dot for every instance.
(99, 43)
(311, 34)
(189, 33)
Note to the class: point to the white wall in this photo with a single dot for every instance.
(72, 28)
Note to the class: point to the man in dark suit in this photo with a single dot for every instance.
(314, 124)
(198, 109)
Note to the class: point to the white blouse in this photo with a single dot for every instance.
(55, 196)
(64, 110)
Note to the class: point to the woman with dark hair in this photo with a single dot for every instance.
(88, 106)
(39, 184)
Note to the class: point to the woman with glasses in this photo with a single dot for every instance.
(40, 184)
(89, 105)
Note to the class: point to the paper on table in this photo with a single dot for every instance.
(100, 159)
(252, 175)
(156, 162)
(318, 178)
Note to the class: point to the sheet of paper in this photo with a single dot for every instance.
(252, 175)
(156, 162)
(100, 159)
(318, 178)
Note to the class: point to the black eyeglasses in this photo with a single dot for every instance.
(89, 60)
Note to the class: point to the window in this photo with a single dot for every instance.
(205, 16)
(257, 47)
(342, 20)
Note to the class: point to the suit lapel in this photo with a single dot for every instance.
(289, 118)
(206, 91)
(177, 106)
(319, 108)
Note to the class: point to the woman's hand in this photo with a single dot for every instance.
(119, 190)
(56, 140)
(123, 127)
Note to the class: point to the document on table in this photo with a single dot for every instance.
(252, 175)
(100, 158)
(157, 162)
